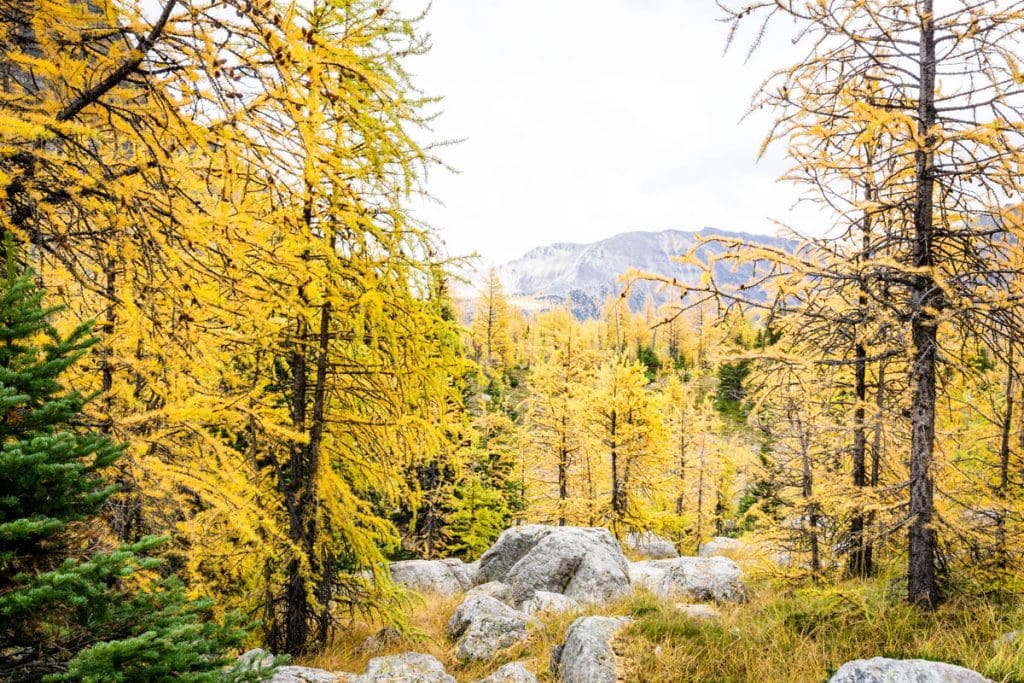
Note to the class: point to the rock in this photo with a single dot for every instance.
(650, 545)
(258, 660)
(722, 546)
(381, 640)
(543, 601)
(882, 670)
(302, 674)
(409, 667)
(699, 612)
(585, 564)
(495, 589)
(511, 673)
(483, 626)
(587, 655)
(442, 577)
(510, 547)
(702, 578)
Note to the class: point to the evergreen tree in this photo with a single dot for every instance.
(108, 617)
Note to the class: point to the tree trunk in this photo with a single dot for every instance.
(922, 584)
(1004, 464)
(563, 472)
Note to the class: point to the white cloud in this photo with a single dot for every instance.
(584, 118)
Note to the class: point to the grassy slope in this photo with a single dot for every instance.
(781, 634)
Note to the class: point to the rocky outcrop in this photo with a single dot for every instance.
(881, 670)
(441, 577)
(651, 546)
(582, 563)
(701, 578)
(722, 546)
(483, 626)
(409, 667)
(587, 655)
(511, 673)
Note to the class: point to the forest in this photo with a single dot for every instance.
(239, 389)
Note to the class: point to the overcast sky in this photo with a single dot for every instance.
(585, 118)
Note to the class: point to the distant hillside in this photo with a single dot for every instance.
(588, 273)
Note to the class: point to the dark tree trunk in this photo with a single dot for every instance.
(926, 299)
(859, 560)
(563, 472)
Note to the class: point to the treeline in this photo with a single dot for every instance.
(632, 421)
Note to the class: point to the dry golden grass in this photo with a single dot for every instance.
(792, 635)
(804, 635)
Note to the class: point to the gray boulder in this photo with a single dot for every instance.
(585, 564)
(587, 655)
(882, 670)
(409, 667)
(552, 603)
(721, 546)
(483, 626)
(495, 589)
(258, 660)
(650, 545)
(511, 673)
(702, 578)
(442, 577)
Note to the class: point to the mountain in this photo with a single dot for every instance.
(588, 273)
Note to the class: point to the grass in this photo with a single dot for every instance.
(780, 634)
(804, 635)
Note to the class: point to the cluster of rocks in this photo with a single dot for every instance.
(533, 569)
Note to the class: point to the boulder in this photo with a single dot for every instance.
(552, 603)
(495, 589)
(302, 674)
(383, 639)
(258, 660)
(585, 564)
(650, 545)
(483, 626)
(882, 670)
(442, 577)
(699, 612)
(587, 655)
(409, 667)
(702, 578)
(511, 673)
(722, 546)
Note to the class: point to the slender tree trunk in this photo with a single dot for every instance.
(860, 561)
(616, 483)
(700, 500)
(296, 619)
(807, 491)
(680, 501)
(563, 472)
(1004, 463)
(922, 583)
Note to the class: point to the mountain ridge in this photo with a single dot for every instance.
(587, 273)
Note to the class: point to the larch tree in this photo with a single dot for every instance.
(490, 329)
(944, 108)
(223, 187)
